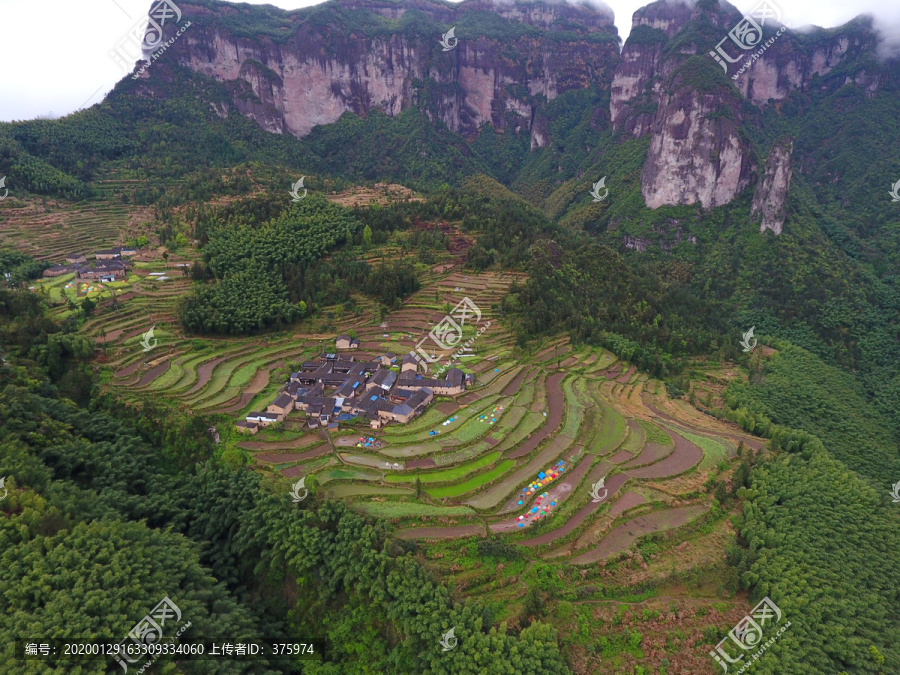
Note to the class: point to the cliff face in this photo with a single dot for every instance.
(696, 153)
(771, 193)
(358, 56)
(787, 66)
(636, 84)
(680, 79)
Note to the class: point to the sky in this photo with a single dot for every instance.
(55, 54)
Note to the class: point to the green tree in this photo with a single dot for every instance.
(534, 603)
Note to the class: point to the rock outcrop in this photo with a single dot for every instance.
(292, 71)
(356, 56)
(638, 78)
(771, 193)
(696, 154)
(785, 67)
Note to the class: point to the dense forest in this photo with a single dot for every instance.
(111, 509)
(250, 264)
(267, 263)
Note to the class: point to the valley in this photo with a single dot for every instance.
(457, 338)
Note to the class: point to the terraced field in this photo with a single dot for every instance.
(49, 229)
(600, 417)
(464, 467)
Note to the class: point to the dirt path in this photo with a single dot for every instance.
(554, 417)
(624, 535)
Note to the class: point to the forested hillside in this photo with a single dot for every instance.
(113, 504)
(106, 517)
(250, 263)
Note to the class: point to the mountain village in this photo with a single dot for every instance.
(337, 387)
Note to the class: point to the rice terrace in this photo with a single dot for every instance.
(572, 467)
(473, 338)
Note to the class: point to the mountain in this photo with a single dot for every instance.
(507, 62)
(668, 88)
(732, 169)
(291, 71)
(745, 171)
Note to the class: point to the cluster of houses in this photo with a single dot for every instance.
(108, 265)
(336, 388)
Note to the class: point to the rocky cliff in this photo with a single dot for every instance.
(674, 85)
(291, 71)
(683, 77)
(696, 153)
(771, 193)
